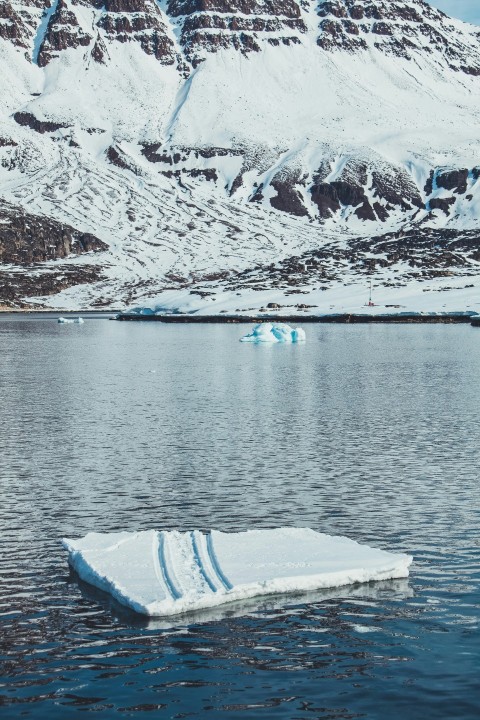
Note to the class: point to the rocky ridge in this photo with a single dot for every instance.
(395, 28)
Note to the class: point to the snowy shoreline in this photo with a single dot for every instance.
(224, 318)
(344, 318)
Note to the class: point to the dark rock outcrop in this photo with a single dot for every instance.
(63, 32)
(422, 254)
(395, 28)
(287, 199)
(442, 204)
(286, 8)
(212, 25)
(15, 286)
(41, 126)
(27, 238)
(117, 157)
(139, 21)
(455, 180)
(329, 198)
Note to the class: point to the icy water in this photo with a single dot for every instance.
(372, 432)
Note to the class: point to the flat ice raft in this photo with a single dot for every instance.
(274, 333)
(166, 573)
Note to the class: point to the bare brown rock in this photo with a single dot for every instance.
(455, 180)
(63, 32)
(27, 238)
(41, 126)
(139, 21)
(400, 29)
(442, 204)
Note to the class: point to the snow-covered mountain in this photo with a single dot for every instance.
(199, 144)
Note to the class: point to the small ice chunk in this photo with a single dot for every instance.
(71, 321)
(170, 572)
(275, 333)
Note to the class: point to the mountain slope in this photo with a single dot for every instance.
(203, 138)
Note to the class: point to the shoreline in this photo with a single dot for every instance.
(345, 318)
(57, 313)
(179, 318)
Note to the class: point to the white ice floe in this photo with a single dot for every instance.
(274, 333)
(71, 321)
(170, 572)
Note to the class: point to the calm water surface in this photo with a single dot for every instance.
(372, 432)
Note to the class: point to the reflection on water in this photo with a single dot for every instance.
(399, 589)
(371, 432)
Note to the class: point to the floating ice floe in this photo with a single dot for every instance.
(274, 333)
(71, 321)
(170, 572)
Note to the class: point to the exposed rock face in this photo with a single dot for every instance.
(442, 204)
(16, 285)
(389, 188)
(117, 157)
(41, 126)
(212, 25)
(19, 21)
(396, 28)
(329, 197)
(27, 239)
(139, 21)
(7, 142)
(288, 198)
(13, 26)
(423, 254)
(370, 189)
(63, 32)
(455, 180)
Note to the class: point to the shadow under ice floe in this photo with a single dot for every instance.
(399, 590)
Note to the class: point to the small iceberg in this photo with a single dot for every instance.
(71, 321)
(275, 333)
(162, 573)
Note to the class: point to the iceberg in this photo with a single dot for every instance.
(274, 333)
(163, 573)
(71, 321)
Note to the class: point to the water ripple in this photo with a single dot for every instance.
(370, 432)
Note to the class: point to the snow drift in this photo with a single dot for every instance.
(170, 572)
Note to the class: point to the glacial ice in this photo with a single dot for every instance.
(274, 333)
(71, 321)
(161, 573)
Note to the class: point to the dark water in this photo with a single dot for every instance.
(372, 432)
